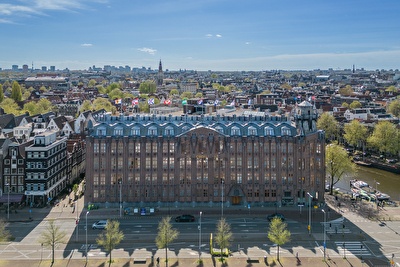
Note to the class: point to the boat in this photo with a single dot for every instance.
(362, 163)
(358, 184)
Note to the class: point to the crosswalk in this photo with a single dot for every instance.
(352, 248)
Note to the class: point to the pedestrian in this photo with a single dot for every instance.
(158, 261)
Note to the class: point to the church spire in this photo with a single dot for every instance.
(160, 76)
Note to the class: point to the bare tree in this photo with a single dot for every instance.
(51, 237)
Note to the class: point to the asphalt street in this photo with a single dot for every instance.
(356, 238)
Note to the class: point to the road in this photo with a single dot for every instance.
(361, 238)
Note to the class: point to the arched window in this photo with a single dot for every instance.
(252, 130)
(235, 130)
(152, 131)
(169, 131)
(219, 129)
(285, 131)
(269, 131)
(135, 131)
(119, 131)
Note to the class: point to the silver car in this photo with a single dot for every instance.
(102, 224)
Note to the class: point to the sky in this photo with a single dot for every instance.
(217, 35)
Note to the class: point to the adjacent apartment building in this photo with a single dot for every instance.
(203, 160)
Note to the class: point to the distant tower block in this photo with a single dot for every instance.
(160, 76)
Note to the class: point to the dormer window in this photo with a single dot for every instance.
(269, 131)
(285, 131)
(135, 131)
(152, 131)
(252, 130)
(235, 131)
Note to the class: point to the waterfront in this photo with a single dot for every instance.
(387, 182)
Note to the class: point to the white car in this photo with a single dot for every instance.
(102, 224)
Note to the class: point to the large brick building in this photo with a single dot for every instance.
(203, 160)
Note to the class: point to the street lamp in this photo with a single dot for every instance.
(309, 212)
(120, 197)
(222, 199)
(8, 201)
(86, 237)
(324, 234)
(200, 235)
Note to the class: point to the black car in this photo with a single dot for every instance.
(276, 215)
(185, 218)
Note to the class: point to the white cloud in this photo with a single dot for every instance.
(148, 50)
(218, 35)
(247, 43)
(209, 35)
(87, 45)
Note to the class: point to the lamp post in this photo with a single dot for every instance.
(222, 199)
(86, 239)
(8, 201)
(120, 197)
(324, 234)
(309, 212)
(200, 235)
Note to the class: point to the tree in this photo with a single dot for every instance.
(346, 91)
(10, 107)
(186, 95)
(16, 92)
(223, 236)
(86, 105)
(385, 138)
(92, 83)
(75, 188)
(147, 87)
(4, 233)
(337, 163)
(278, 233)
(355, 104)
(391, 89)
(166, 235)
(329, 124)
(100, 103)
(110, 237)
(394, 107)
(174, 92)
(345, 105)
(355, 133)
(1, 93)
(199, 95)
(51, 237)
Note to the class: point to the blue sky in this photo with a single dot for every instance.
(231, 35)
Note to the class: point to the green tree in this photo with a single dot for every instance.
(1, 93)
(4, 233)
(92, 83)
(346, 91)
(115, 94)
(337, 163)
(278, 233)
(394, 107)
(86, 105)
(174, 92)
(186, 95)
(43, 106)
(112, 87)
(355, 104)
(10, 107)
(110, 237)
(345, 105)
(100, 103)
(147, 87)
(30, 107)
(16, 92)
(166, 235)
(385, 138)
(329, 124)
(355, 133)
(392, 89)
(223, 237)
(199, 95)
(75, 188)
(51, 237)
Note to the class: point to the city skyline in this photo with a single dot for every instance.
(201, 35)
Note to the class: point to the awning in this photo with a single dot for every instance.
(13, 198)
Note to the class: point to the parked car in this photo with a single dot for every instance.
(102, 224)
(276, 215)
(185, 218)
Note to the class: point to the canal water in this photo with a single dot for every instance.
(387, 182)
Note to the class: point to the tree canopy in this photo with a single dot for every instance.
(337, 163)
(355, 133)
(110, 237)
(329, 124)
(16, 92)
(147, 87)
(385, 138)
(278, 233)
(394, 107)
(166, 235)
(224, 235)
